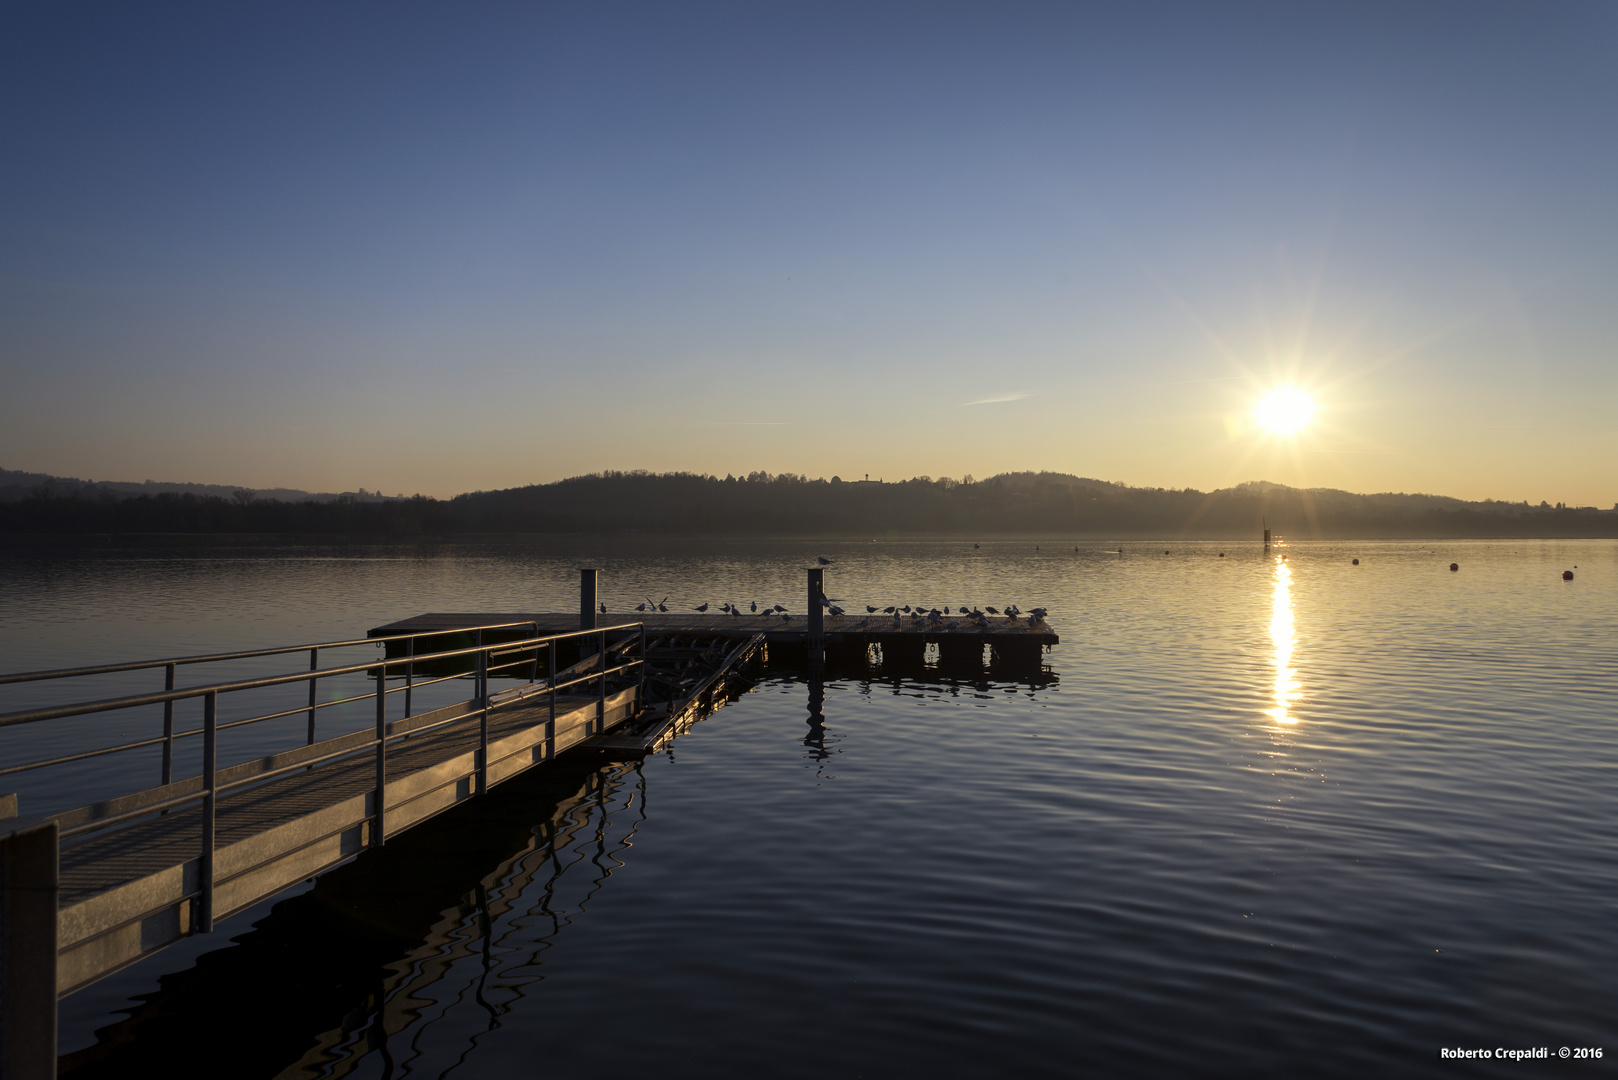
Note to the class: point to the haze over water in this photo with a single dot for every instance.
(1268, 813)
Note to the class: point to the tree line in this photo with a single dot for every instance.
(1029, 503)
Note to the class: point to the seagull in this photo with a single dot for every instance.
(786, 618)
(778, 607)
(954, 625)
(724, 608)
(603, 609)
(755, 606)
(991, 611)
(663, 604)
(824, 561)
(641, 608)
(865, 622)
(869, 610)
(888, 610)
(905, 609)
(735, 609)
(1039, 613)
(704, 607)
(835, 610)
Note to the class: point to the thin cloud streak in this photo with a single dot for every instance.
(1018, 396)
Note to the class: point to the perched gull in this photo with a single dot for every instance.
(824, 561)
(778, 607)
(603, 609)
(755, 605)
(641, 608)
(703, 607)
(991, 611)
(869, 610)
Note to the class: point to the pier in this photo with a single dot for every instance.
(88, 891)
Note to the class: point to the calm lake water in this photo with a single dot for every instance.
(1275, 814)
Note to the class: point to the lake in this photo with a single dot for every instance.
(1268, 812)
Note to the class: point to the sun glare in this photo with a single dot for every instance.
(1285, 410)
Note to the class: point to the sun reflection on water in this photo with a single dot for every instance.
(1286, 685)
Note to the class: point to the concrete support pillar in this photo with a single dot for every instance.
(28, 901)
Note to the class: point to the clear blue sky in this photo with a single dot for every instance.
(438, 248)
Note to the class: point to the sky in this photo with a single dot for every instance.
(441, 248)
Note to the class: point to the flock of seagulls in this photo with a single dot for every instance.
(918, 613)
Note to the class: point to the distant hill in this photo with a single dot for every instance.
(15, 486)
(1028, 503)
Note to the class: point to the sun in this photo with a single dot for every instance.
(1286, 410)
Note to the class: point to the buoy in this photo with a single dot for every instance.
(1567, 575)
(1165, 551)
(1454, 566)
(1221, 554)
(1356, 562)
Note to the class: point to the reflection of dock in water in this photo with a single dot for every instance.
(403, 941)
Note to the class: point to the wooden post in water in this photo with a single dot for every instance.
(817, 613)
(589, 583)
(28, 903)
(589, 579)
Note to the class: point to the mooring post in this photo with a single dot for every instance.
(28, 902)
(589, 578)
(817, 612)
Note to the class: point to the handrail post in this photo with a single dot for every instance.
(533, 668)
(168, 730)
(550, 725)
(314, 662)
(601, 700)
(29, 935)
(379, 826)
(210, 808)
(483, 722)
(640, 689)
(410, 673)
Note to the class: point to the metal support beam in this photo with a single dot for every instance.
(28, 901)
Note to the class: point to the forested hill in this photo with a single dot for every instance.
(1043, 503)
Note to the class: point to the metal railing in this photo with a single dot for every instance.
(484, 659)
